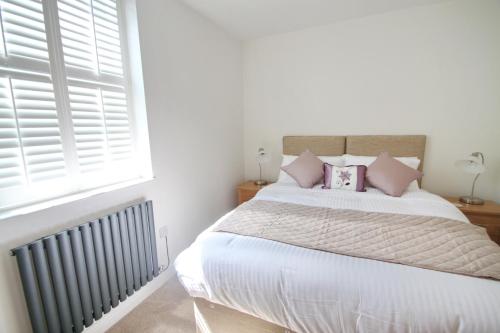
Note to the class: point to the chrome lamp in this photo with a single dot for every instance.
(473, 164)
(262, 158)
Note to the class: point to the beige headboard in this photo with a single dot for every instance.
(318, 145)
(366, 145)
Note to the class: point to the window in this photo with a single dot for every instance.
(67, 122)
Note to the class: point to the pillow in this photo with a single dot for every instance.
(287, 159)
(412, 162)
(351, 178)
(307, 169)
(390, 175)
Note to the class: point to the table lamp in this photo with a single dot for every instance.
(262, 158)
(473, 164)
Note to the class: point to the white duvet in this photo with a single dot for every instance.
(313, 291)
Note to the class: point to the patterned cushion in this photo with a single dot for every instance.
(350, 178)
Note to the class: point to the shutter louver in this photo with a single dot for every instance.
(90, 35)
(2, 40)
(117, 124)
(101, 127)
(75, 20)
(11, 163)
(88, 123)
(30, 146)
(107, 37)
(24, 29)
(35, 106)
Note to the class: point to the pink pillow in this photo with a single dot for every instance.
(390, 175)
(307, 169)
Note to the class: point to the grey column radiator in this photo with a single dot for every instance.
(71, 278)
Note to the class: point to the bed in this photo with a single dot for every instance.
(249, 284)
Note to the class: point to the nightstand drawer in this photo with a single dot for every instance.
(247, 191)
(486, 216)
(245, 195)
(490, 223)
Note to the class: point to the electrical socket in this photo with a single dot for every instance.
(163, 232)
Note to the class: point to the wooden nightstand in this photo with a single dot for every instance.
(487, 216)
(247, 191)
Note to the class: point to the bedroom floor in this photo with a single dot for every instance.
(168, 310)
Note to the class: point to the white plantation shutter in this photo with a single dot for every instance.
(101, 126)
(117, 124)
(30, 140)
(98, 101)
(89, 127)
(90, 35)
(77, 33)
(107, 37)
(91, 40)
(71, 133)
(11, 160)
(38, 129)
(24, 29)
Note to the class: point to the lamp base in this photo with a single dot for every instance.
(260, 182)
(472, 200)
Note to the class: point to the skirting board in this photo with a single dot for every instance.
(215, 318)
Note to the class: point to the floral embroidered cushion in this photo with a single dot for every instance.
(350, 178)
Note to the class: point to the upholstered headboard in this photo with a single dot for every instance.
(396, 145)
(366, 145)
(318, 145)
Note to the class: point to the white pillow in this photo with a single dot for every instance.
(412, 162)
(287, 159)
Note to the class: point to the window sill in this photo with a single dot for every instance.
(31, 208)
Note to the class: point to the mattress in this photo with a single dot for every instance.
(313, 291)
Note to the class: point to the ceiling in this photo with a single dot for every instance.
(248, 19)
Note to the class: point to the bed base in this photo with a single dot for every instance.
(216, 318)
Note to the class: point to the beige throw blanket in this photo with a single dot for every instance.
(435, 243)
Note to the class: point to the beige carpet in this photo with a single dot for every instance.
(167, 310)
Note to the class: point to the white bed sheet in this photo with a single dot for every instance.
(313, 291)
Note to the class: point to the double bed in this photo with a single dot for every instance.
(251, 284)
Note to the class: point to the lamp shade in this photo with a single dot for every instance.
(262, 156)
(472, 164)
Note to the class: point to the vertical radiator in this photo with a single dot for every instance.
(71, 278)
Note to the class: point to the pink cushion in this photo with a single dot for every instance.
(307, 169)
(390, 175)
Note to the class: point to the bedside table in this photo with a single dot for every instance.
(247, 191)
(486, 216)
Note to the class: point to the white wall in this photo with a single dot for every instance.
(431, 70)
(192, 73)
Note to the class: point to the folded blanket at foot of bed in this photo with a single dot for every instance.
(429, 242)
